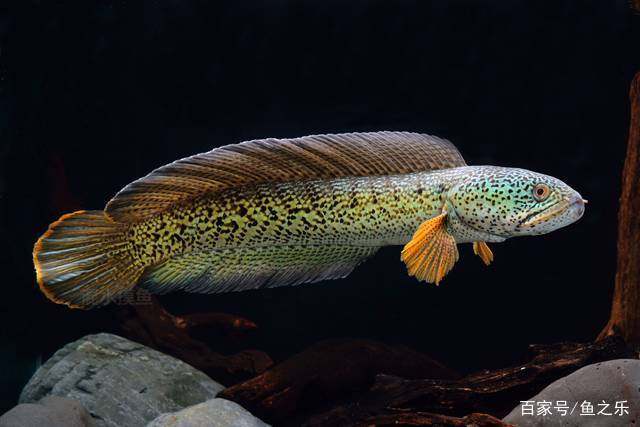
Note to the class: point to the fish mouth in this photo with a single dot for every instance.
(542, 215)
(575, 207)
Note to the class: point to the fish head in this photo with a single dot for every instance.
(509, 202)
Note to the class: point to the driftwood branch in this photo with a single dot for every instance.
(625, 311)
(328, 371)
(150, 324)
(331, 384)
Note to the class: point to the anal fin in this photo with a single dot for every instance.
(238, 269)
(432, 252)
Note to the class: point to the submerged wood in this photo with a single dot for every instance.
(326, 372)
(152, 325)
(329, 384)
(625, 310)
(495, 392)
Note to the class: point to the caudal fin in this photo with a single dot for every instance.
(84, 260)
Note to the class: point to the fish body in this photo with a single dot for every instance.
(285, 231)
(360, 211)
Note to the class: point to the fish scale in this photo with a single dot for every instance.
(359, 211)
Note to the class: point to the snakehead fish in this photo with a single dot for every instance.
(277, 212)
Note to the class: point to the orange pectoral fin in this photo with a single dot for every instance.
(483, 251)
(432, 252)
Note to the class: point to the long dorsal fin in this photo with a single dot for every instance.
(281, 160)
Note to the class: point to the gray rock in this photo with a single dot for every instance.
(52, 411)
(212, 413)
(120, 382)
(611, 381)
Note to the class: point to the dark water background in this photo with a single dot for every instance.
(97, 94)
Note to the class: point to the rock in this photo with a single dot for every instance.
(612, 381)
(151, 324)
(120, 382)
(52, 411)
(212, 413)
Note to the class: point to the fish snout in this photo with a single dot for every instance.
(576, 207)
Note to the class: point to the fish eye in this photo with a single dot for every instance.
(541, 192)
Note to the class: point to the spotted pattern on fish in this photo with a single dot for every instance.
(357, 211)
(490, 203)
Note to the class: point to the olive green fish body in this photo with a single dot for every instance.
(329, 225)
(374, 211)
(283, 212)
